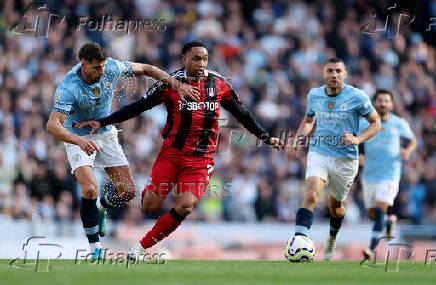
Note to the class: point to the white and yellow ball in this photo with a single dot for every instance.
(299, 249)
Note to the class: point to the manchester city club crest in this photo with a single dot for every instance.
(107, 85)
(331, 105)
(96, 91)
(343, 106)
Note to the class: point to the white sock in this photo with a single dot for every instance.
(99, 205)
(94, 245)
(139, 246)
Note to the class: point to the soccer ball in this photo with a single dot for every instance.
(299, 249)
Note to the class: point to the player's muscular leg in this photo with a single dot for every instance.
(337, 209)
(86, 178)
(185, 203)
(123, 180)
(314, 186)
(151, 202)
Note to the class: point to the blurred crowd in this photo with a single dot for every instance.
(272, 53)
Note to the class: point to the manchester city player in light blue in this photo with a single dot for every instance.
(382, 165)
(86, 93)
(333, 154)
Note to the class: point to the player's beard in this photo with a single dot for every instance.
(334, 88)
(92, 79)
(96, 79)
(382, 112)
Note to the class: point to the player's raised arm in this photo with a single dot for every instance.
(125, 113)
(56, 128)
(183, 89)
(244, 116)
(153, 97)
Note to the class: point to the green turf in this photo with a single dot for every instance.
(219, 272)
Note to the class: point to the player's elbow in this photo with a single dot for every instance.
(146, 69)
(49, 127)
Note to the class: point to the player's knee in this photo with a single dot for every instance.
(127, 190)
(89, 190)
(184, 209)
(150, 207)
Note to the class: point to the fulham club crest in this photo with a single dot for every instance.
(211, 92)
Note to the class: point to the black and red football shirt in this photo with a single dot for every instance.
(193, 127)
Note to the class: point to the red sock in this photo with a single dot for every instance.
(161, 229)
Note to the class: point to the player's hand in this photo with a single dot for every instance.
(349, 139)
(188, 91)
(87, 146)
(95, 125)
(292, 149)
(276, 143)
(405, 154)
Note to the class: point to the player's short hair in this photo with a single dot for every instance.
(334, 60)
(383, 91)
(189, 45)
(91, 51)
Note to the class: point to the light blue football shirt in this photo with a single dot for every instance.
(382, 151)
(334, 115)
(81, 101)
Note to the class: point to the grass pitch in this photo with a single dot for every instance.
(217, 272)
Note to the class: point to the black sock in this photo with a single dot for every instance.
(388, 224)
(104, 202)
(335, 225)
(303, 222)
(89, 216)
(176, 216)
(378, 227)
(110, 197)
